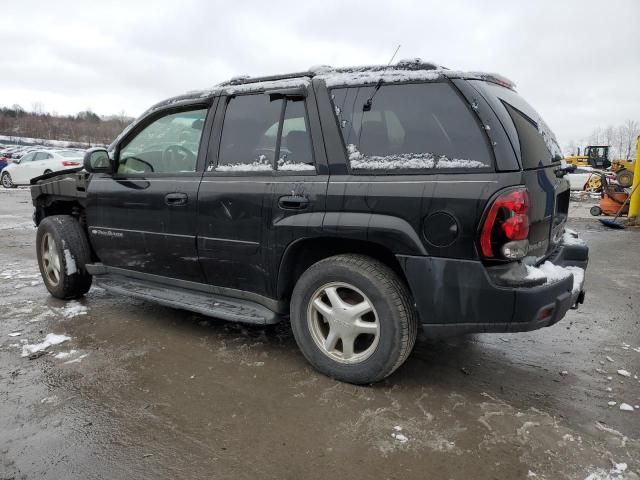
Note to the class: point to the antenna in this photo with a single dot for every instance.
(367, 105)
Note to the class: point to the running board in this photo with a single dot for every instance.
(212, 305)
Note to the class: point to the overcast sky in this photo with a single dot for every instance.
(577, 62)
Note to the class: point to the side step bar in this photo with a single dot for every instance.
(226, 308)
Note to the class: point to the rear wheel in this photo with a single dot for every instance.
(625, 177)
(595, 211)
(63, 251)
(7, 182)
(353, 318)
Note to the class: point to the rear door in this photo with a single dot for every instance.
(540, 157)
(260, 190)
(143, 217)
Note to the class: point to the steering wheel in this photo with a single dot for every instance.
(179, 154)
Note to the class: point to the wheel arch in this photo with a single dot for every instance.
(303, 253)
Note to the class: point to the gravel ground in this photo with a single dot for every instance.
(147, 392)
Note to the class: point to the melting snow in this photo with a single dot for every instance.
(616, 473)
(261, 164)
(334, 78)
(63, 355)
(15, 334)
(70, 262)
(285, 165)
(406, 161)
(50, 339)
(624, 373)
(73, 309)
(555, 273)
(400, 437)
(626, 407)
(571, 238)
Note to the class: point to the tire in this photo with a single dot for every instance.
(6, 180)
(625, 177)
(385, 335)
(63, 252)
(595, 211)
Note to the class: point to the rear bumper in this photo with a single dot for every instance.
(454, 297)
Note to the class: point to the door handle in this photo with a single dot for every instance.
(293, 202)
(176, 199)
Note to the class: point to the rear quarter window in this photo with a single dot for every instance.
(410, 128)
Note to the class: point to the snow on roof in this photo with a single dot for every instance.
(404, 71)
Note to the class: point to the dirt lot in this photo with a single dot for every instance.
(142, 391)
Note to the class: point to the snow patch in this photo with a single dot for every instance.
(15, 334)
(571, 238)
(406, 161)
(624, 373)
(625, 407)
(400, 437)
(369, 76)
(50, 339)
(73, 309)
(70, 262)
(63, 355)
(262, 164)
(555, 273)
(285, 165)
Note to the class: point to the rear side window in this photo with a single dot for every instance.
(535, 151)
(257, 130)
(410, 128)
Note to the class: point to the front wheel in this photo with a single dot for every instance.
(63, 252)
(7, 182)
(353, 318)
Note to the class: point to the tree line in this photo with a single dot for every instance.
(84, 127)
(620, 138)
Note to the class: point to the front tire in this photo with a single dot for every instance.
(63, 252)
(353, 318)
(6, 180)
(596, 211)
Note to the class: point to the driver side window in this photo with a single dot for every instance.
(168, 145)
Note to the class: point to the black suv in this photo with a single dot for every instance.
(358, 203)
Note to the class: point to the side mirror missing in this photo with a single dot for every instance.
(96, 160)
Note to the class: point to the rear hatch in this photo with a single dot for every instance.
(540, 157)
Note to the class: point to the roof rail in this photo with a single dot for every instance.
(243, 80)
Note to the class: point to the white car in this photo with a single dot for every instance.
(39, 162)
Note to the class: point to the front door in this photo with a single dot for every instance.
(143, 217)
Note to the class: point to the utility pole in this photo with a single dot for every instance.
(634, 206)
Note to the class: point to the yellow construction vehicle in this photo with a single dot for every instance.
(597, 156)
(624, 171)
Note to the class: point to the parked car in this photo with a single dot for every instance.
(356, 203)
(39, 162)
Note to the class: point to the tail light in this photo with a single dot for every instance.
(505, 229)
(70, 163)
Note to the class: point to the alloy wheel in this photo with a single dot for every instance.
(343, 323)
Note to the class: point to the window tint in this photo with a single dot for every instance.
(533, 149)
(410, 127)
(168, 145)
(249, 138)
(295, 147)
